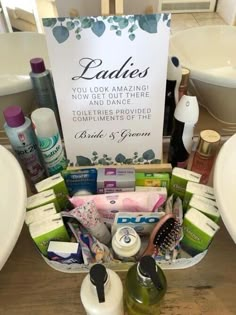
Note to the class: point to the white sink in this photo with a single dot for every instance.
(12, 203)
(225, 184)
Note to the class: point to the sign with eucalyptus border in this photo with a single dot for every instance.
(110, 78)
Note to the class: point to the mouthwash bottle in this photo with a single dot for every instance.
(145, 287)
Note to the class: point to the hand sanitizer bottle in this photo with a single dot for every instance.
(145, 287)
(102, 292)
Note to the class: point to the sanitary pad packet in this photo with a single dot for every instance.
(48, 229)
(199, 231)
(39, 213)
(57, 183)
(41, 199)
(206, 206)
(197, 189)
(180, 178)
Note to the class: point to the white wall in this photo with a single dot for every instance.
(227, 10)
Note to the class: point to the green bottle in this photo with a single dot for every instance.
(145, 287)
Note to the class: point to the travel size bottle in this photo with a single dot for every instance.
(185, 118)
(49, 139)
(24, 143)
(145, 287)
(102, 292)
(44, 89)
(205, 154)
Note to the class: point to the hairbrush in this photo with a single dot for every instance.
(164, 236)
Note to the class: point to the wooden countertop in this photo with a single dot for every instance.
(29, 286)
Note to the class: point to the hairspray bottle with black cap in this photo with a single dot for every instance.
(185, 118)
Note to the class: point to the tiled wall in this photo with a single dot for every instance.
(182, 21)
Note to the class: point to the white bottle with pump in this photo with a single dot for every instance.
(49, 139)
(102, 292)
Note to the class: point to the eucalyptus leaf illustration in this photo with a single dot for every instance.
(132, 37)
(86, 22)
(123, 22)
(149, 155)
(132, 28)
(120, 158)
(61, 19)
(118, 33)
(70, 25)
(78, 36)
(49, 22)
(155, 161)
(148, 23)
(83, 161)
(110, 19)
(78, 30)
(128, 161)
(113, 27)
(168, 23)
(98, 28)
(103, 161)
(61, 33)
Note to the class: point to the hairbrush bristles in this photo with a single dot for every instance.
(164, 236)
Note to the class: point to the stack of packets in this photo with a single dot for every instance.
(76, 213)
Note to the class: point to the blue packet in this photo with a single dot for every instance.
(81, 182)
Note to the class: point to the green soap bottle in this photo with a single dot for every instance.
(145, 287)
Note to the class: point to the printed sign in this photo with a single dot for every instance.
(110, 78)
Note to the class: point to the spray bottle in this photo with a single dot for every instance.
(42, 82)
(174, 75)
(145, 287)
(102, 292)
(49, 139)
(185, 118)
(24, 143)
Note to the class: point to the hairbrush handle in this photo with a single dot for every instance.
(151, 246)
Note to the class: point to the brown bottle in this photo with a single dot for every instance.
(204, 157)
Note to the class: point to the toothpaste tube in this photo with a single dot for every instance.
(109, 204)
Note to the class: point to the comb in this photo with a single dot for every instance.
(164, 236)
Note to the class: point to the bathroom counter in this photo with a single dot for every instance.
(29, 286)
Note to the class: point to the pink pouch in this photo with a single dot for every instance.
(109, 204)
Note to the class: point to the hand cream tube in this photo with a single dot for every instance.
(109, 204)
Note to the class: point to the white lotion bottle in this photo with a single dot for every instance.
(102, 292)
(50, 144)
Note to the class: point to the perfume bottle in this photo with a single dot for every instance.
(205, 154)
(145, 287)
(183, 88)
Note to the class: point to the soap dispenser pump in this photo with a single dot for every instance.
(102, 292)
(145, 287)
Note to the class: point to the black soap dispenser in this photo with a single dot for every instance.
(102, 292)
(145, 287)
